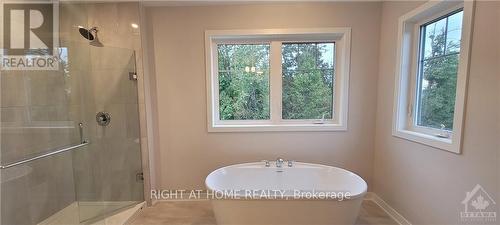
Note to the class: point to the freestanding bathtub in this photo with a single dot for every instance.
(306, 194)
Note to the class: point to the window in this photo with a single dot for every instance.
(432, 74)
(308, 72)
(437, 73)
(243, 81)
(277, 80)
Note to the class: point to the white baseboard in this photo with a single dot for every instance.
(387, 208)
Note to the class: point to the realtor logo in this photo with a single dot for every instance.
(28, 36)
(479, 206)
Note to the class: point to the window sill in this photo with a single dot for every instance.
(276, 128)
(427, 139)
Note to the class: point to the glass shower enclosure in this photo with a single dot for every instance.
(70, 138)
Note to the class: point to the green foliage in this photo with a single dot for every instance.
(437, 96)
(244, 81)
(307, 81)
(243, 93)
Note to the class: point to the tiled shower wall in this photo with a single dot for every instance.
(116, 149)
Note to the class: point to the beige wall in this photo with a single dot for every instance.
(187, 152)
(424, 184)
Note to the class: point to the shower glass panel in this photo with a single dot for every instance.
(40, 112)
(108, 176)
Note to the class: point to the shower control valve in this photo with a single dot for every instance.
(103, 118)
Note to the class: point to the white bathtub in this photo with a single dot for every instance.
(252, 193)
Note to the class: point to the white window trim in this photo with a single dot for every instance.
(407, 56)
(342, 38)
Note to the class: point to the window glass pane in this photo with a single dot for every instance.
(307, 80)
(434, 38)
(438, 69)
(454, 32)
(436, 100)
(326, 57)
(243, 81)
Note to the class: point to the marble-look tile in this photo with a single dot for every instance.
(12, 114)
(200, 212)
(21, 186)
(132, 121)
(78, 53)
(71, 16)
(140, 83)
(13, 89)
(114, 21)
(142, 121)
(106, 58)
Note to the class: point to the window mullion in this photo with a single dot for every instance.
(275, 82)
(446, 35)
(215, 84)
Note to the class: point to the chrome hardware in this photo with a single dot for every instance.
(266, 163)
(139, 177)
(132, 76)
(43, 155)
(80, 129)
(444, 133)
(279, 162)
(103, 118)
(320, 121)
(290, 163)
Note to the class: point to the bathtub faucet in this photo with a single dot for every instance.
(279, 162)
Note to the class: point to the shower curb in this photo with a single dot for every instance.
(400, 219)
(69, 215)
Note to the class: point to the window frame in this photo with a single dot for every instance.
(407, 75)
(275, 37)
(417, 73)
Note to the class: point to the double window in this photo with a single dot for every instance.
(277, 80)
(432, 74)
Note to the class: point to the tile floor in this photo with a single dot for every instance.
(200, 213)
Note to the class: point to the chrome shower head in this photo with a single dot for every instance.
(87, 33)
(91, 35)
